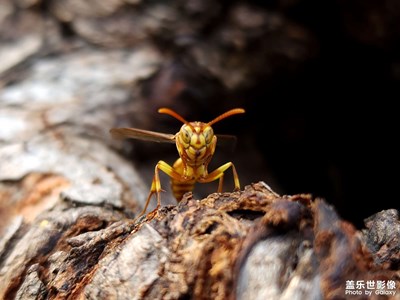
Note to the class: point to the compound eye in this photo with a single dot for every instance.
(208, 134)
(186, 134)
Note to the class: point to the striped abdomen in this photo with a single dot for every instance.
(180, 187)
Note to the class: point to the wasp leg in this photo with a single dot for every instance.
(156, 184)
(219, 174)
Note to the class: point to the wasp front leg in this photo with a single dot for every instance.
(156, 184)
(219, 174)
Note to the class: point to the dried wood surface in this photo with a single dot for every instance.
(252, 244)
(71, 70)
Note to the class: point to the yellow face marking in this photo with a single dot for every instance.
(196, 154)
(195, 139)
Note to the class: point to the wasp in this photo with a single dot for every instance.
(196, 144)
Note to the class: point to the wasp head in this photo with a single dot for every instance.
(196, 140)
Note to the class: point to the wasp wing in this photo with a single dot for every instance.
(141, 134)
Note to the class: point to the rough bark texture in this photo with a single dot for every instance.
(252, 244)
(71, 70)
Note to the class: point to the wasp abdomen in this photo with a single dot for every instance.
(180, 188)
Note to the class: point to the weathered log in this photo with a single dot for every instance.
(252, 244)
(68, 196)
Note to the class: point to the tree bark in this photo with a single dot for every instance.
(70, 195)
(252, 244)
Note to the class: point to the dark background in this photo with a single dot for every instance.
(332, 127)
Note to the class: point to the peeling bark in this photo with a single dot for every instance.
(252, 244)
(71, 70)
